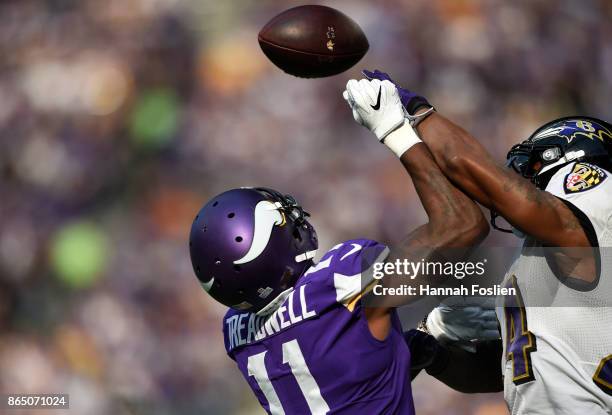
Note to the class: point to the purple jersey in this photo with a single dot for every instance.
(315, 353)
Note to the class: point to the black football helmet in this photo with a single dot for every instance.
(558, 143)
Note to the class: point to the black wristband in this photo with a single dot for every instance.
(415, 103)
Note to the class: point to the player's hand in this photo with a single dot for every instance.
(351, 103)
(461, 321)
(376, 105)
(410, 101)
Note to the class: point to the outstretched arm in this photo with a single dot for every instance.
(465, 161)
(455, 221)
(468, 165)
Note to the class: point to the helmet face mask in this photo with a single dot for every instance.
(532, 161)
(288, 205)
(249, 245)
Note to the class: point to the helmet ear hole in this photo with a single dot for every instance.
(297, 235)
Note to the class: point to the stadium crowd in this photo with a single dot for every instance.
(119, 119)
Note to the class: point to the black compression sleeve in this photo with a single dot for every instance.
(468, 372)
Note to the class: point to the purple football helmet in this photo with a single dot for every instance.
(250, 245)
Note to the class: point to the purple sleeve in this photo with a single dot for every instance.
(351, 264)
(355, 256)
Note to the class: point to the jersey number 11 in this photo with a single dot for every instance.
(292, 355)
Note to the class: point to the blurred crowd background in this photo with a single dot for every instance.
(120, 118)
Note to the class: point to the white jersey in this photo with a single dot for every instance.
(557, 359)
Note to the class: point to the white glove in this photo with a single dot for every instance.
(376, 105)
(460, 321)
(351, 103)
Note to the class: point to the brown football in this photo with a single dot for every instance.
(313, 41)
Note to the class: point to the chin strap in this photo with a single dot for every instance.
(306, 256)
(287, 204)
(495, 215)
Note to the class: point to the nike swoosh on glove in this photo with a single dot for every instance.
(376, 105)
(411, 101)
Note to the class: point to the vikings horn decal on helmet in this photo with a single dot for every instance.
(249, 245)
(266, 216)
(557, 143)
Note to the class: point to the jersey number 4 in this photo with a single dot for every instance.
(521, 343)
(292, 355)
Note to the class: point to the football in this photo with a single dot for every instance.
(313, 41)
